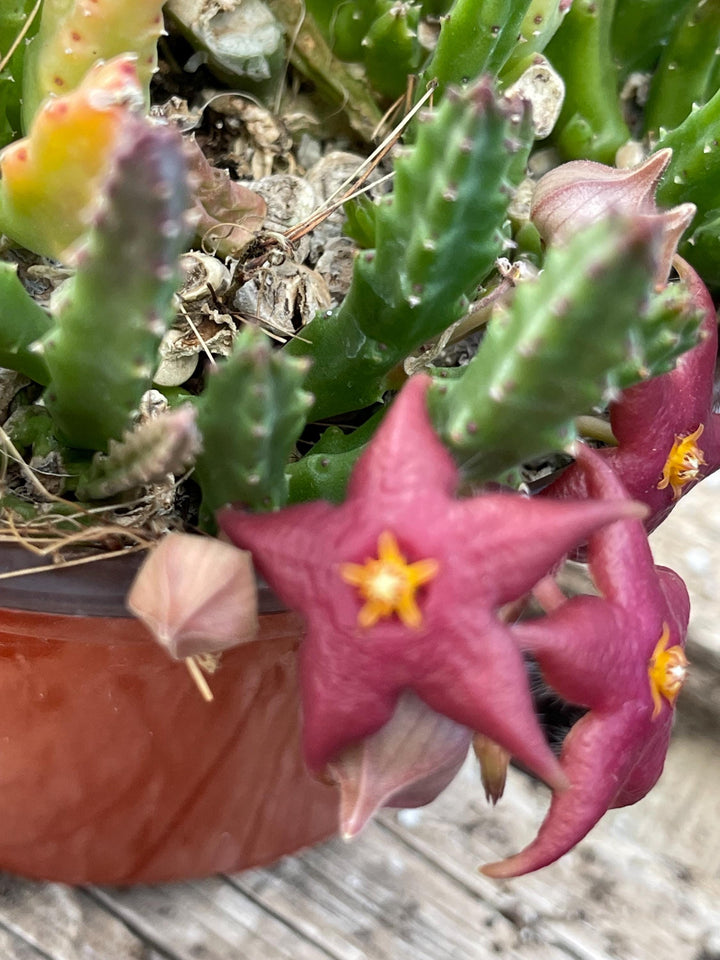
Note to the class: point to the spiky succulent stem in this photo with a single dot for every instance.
(163, 445)
(540, 24)
(640, 30)
(693, 174)
(113, 313)
(13, 19)
(56, 169)
(684, 73)
(554, 353)
(391, 47)
(475, 39)
(250, 416)
(436, 239)
(322, 474)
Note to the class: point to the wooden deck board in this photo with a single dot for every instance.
(205, 920)
(55, 922)
(409, 888)
(377, 898)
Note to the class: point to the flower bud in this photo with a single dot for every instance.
(196, 595)
(582, 192)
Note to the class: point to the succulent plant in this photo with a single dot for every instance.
(537, 310)
(107, 330)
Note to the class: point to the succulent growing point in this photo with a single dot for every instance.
(165, 444)
(621, 657)
(474, 556)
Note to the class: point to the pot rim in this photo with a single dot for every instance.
(85, 590)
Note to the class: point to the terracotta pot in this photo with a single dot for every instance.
(113, 769)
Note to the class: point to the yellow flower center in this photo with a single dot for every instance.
(389, 584)
(667, 671)
(683, 463)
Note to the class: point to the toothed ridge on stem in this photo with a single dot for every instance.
(553, 353)
(250, 416)
(75, 34)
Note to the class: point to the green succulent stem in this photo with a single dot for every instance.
(22, 322)
(553, 354)
(591, 125)
(476, 38)
(111, 316)
(684, 73)
(540, 24)
(13, 20)
(693, 175)
(436, 238)
(323, 473)
(250, 416)
(640, 30)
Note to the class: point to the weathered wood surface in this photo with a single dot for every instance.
(645, 885)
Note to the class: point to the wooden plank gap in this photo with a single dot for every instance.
(293, 927)
(142, 933)
(481, 888)
(26, 940)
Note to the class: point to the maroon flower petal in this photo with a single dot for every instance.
(370, 636)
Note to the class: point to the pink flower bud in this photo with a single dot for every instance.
(196, 595)
(582, 192)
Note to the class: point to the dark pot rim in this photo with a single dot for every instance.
(86, 590)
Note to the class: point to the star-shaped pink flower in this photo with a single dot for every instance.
(668, 438)
(401, 585)
(619, 655)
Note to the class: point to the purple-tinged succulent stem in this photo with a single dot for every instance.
(111, 316)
